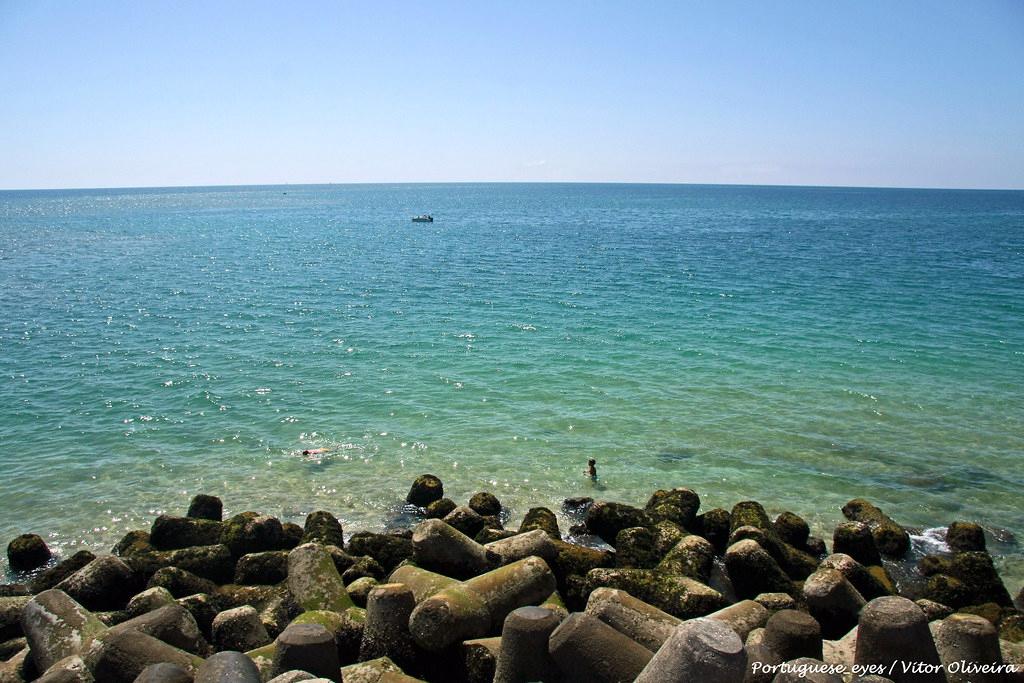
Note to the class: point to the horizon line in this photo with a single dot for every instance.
(507, 182)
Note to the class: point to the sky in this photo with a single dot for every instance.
(865, 93)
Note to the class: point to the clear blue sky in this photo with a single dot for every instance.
(921, 94)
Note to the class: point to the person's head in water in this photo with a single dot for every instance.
(592, 468)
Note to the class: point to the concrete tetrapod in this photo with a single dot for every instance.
(386, 633)
(314, 580)
(587, 650)
(228, 667)
(524, 653)
(702, 650)
(474, 607)
(967, 638)
(439, 546)
(893, 632)
(642, 622)
(307, 647)
(421, 582)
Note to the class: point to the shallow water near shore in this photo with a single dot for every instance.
(797, 346)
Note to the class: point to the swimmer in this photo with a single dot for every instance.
(314, 451)
(592, 469)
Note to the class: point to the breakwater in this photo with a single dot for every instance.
(664, 592)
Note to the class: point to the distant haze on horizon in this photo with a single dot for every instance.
(120, 94)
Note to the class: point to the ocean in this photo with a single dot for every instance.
(798, 346)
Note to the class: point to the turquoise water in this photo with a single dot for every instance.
(799, 346)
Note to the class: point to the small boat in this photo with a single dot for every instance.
(425, 218)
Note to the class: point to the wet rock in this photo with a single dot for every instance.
(480, 659)
(816, 547)
(387, 549)
(934, 564)
(635, 547)
(56, 627)
(291, 535)
(857, 574)
(933, 610)
(251, 532)
(693, 557)
(441, 508)
(27, 552)
(1011, 627)
(106, 583)
(666, 535)
(264, 568)
(891, 539)
(203, 608)
(491, 535)
(972, 580)
(204, 506)
(792, 529)
(341, 559)
(359, 590)
(715, 525)
(239, 629)
(425, 490)
(180, 582)
(134, 542)
(9, 590)
(213, 562)
(677, 505)
(363, 567)
(749, 513)
(606, 519)
(856, 540)
(577, 506)
(465, 520)
(572, 559)
(753, 571)
(49, 578)
(679, 596)
(171, 533)
(485, 504)
(965, 537)
(324, 528)
(10, 616)
(541, 518)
